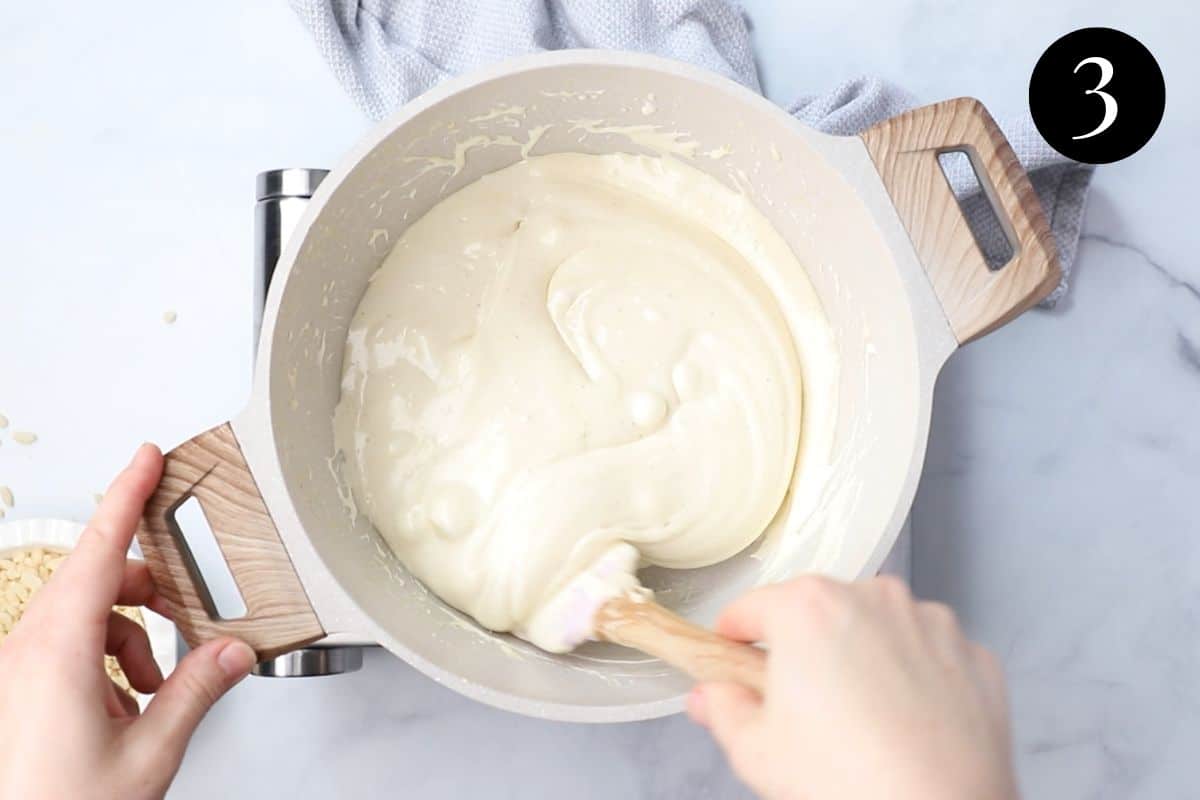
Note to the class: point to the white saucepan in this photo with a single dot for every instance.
(871, 217)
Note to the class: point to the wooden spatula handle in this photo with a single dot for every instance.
(706, 656)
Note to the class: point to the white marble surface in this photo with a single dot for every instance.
(1057, 511)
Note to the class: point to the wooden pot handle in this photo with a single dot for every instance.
(976, 299)
(211, 468)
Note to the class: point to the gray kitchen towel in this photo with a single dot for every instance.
(387, 51)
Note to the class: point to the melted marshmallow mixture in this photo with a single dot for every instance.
(566, 370)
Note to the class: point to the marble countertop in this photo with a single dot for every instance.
(1057, 511)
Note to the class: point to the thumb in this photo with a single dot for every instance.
(201, 679)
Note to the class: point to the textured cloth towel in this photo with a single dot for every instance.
(387, 51)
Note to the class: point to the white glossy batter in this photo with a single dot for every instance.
(568, 359)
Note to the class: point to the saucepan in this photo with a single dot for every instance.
(873, 220)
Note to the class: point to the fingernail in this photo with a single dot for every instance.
(236, 659)
(138, 454)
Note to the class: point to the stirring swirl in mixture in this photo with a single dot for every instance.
(567, 360)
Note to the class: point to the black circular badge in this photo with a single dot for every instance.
(1097, 95)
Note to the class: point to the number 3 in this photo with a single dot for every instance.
(1110, 103)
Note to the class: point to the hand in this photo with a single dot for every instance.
(869, 694)
(68, 731)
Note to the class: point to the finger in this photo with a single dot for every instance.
(728, 710)
(697, 708)
(118, 703)
(745, 619)
(85, 586)
(128, 702)
(941, 631)
(137, 589)
(891, 594)
(121, 508)
(130, 643)
(732, 714)
(990, 675)
(160, 606)
(202, 677)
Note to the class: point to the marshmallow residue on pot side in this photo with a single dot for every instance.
(566, 360)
